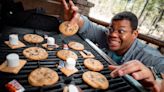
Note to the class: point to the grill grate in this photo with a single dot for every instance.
(115, 85)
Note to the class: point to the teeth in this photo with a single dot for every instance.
(114, 42)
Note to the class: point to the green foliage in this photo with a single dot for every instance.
(152, 8)
(119, 6)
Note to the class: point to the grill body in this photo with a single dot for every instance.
(115, 85)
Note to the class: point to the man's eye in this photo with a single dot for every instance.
(121, 31)
(110, 29)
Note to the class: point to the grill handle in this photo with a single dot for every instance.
(130, 79)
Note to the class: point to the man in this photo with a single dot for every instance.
(123, 46)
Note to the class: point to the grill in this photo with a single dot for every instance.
(119, 84)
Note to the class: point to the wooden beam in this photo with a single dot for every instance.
(99, 22)
(151, 40)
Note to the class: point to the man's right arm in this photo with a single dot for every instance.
(93, 31)
(86, 28)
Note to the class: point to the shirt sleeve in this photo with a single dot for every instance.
(94, 32)
(152, 59)
(157, 63)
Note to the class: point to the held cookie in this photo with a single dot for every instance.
(95, 79)
(67, 29)
(33, 38)
(76, 45)
(93, 64)
(42, 77)
(64, 54)
(35, 53)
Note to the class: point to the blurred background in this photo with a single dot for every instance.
(149, 12)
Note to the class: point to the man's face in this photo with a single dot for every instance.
(121, 36)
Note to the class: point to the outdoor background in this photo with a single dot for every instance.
(149, 12)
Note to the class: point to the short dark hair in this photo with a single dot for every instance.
(127, 16)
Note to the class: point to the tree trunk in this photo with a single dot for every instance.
(146, 2)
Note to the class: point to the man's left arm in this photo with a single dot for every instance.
(138, 71)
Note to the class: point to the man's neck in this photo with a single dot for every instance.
(121, 52)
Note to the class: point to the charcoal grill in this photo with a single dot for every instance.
(119, 84)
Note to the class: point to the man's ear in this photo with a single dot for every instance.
(135, 33)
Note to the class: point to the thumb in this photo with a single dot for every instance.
(112, 67)
(156, 88)
(75, 19)
(71, 3)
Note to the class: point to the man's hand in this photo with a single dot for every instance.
(71, 12)
(138, 71)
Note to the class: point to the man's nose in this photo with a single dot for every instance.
(114, 34)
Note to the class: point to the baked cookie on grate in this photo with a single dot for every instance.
(35, 53)
(67, 29)
(95, 79)
(76, 45)
(64, 54)
(93, 64)
(42, 77)
(33, 38)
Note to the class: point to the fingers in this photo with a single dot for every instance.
(75, 15)
(65, 5)
(156, 88)
(71, 12)
(112, 67)
(140, 75)
(75, 19)
(74, 8)
(71, 3)
(128, 68)
(162, 86)
(116, 72)
(137, 70)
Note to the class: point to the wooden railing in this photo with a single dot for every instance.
(146, 38)
(99, 22)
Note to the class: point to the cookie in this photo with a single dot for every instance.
(64, 54)
(42, 77)
(33, 38)
(93, 64)
(35, 53)
(96, 80)
(67, 29)
(76, 45)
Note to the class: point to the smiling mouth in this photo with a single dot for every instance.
(113, 43)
